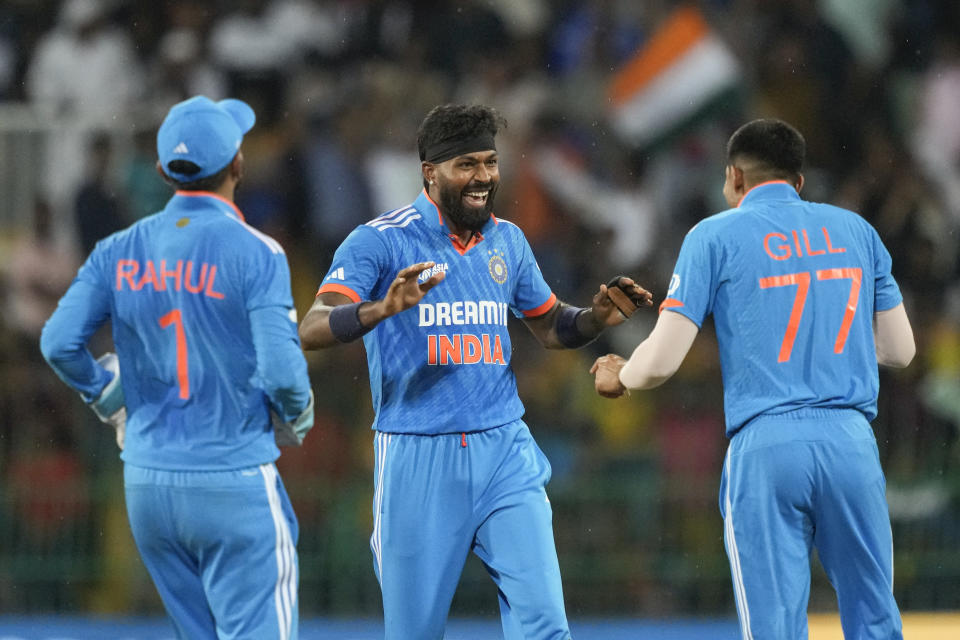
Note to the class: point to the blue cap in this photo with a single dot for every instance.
(205, 132)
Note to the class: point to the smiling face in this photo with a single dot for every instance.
(464, 188)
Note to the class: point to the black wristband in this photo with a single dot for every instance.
(345, 322)
(568, 333)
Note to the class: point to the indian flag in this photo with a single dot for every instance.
(677, 75)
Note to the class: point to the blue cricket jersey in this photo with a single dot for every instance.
(442, 366)
(793, 287)
(205, 331)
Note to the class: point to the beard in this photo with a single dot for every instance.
(465, 216)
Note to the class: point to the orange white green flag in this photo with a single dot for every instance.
(680, 73)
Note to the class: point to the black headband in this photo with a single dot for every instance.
(453, 147)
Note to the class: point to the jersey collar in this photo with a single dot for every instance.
(772, 190)
(194, 200)
(434, 220)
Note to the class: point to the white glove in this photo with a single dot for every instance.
(109, 405)
(291, 434)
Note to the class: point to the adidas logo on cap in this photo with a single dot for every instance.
(181, 148)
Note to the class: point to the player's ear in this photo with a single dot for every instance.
(799, 184)
(236, 166)
(162, 173)
(736, 177)
(429, 171)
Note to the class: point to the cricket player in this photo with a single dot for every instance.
(805, 308)
(430, 287)
(206, 350)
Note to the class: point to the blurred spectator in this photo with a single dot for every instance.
(617, 207)
(84, 73)
(864, 25)
(39, 270)
(98, 210)
(805, 73)
(887, 190)
(453, 32)
(8, 59)
(936, 141)
(182, 69)
(338, 196)
(145, 190)
(258, 42)
(84, 67)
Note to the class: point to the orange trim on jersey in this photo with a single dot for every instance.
(669, 303)
(542, 309)
(332, 287)
(762, 184)
(439, 216)
(211, 194)
(461, 248)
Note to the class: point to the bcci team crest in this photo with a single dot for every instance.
(497, 266)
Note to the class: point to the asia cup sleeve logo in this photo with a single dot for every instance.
(497, 266)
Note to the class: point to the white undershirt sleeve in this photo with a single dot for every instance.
(893, 336)
(660, 355)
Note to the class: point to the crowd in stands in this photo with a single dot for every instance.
(339, 87)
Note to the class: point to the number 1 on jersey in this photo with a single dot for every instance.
(802, 281)
(183, 376)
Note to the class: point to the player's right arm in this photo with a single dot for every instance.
(324, 326)
(893, 336)
(81, 311)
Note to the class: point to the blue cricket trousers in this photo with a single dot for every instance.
(221, 549)
(438, 497)
(792, 482)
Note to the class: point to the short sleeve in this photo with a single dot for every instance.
(357, 265)
(692, 288)
(886, 291)
(532, 295)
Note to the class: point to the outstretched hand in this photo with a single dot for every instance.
(406, 291)
(606, 312)
(607, 371)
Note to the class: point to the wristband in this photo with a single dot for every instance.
(568, 333)
(291, 434)
(345, 322)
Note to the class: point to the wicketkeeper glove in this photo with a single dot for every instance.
(291, 434)
(109, 405)
(625, 299)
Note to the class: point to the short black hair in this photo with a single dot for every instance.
(210, 183)
(776, 147)
(449, 121)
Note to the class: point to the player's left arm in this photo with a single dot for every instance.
(654, 360)
(893, 336)
(892, 333)
(565, 326)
